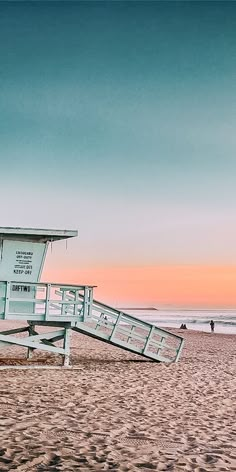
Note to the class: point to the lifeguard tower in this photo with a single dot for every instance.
(65, 307)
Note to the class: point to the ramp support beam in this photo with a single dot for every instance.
(42, 341)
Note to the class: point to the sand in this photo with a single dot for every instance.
(115, 411)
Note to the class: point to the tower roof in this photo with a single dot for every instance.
(36, 234)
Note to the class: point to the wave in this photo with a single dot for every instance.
(199, 321)
(225, 320)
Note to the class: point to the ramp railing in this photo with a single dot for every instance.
(129, 332)
(132, 334)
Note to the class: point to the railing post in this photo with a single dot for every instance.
(115, 327)
(47, 305)
(148, 339)
(179, 350)
(63, 307)
(90, 303)
(130, 337)
(75, 311)
(85, 303)
(162, 342)
(8, 296)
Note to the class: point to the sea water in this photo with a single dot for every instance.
(225, 320)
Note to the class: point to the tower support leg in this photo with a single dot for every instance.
(30, 350)
(66, 346)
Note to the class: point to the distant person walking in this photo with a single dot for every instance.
(212, 324)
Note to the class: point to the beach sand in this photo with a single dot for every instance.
(116, 411)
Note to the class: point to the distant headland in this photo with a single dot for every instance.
(138, 308)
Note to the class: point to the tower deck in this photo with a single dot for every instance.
(69, 307)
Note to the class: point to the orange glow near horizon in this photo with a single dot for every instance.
(170, 286)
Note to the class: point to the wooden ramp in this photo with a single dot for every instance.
(67, 308)
(128, 332)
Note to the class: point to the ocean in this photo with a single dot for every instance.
(225, 320)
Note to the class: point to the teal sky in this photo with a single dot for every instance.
(118, 118)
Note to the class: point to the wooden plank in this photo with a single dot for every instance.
(25, 342)
(88, 329)
(51, 324)
(130, 333)
(130, 347)
(25, 316)
(16, 330)
(65, 302)
(50, 335)
(159, 345)
(161, 358)
(27, 300)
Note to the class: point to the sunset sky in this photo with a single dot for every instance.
(118, 119)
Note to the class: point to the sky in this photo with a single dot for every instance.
(118, 119)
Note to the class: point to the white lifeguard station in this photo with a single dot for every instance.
(65, 307)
